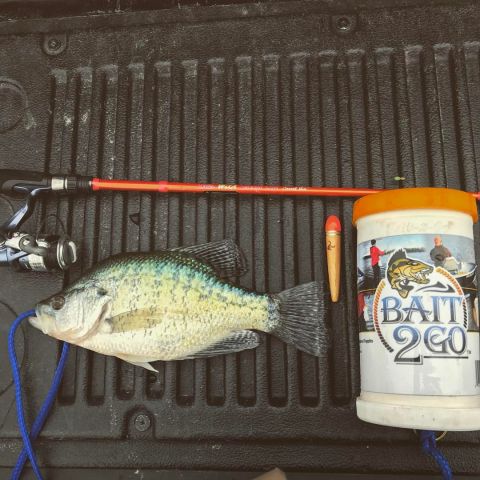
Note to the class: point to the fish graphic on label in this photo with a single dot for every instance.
(402, 271)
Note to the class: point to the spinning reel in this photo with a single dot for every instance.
(43, 252)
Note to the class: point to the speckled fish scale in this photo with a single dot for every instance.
(183, 307)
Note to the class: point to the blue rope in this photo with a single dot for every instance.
(44, 411)
(429, 446)
(28, 451)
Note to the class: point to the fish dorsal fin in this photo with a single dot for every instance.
(398, 254)
(236, 342)
(224, 256)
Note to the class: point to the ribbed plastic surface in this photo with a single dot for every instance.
(271, 94)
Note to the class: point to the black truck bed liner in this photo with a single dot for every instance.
(297, 93)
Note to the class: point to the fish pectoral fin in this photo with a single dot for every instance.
(225, 257)
(236, 342)
(138, 361)
(140, 319)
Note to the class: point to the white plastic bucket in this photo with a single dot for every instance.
(418, 310)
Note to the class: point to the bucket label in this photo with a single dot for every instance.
(418, 315)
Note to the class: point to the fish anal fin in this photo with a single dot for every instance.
(224, 256)
(236, 342)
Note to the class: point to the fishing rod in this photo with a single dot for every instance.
(46, 253)
(18, 182)
(98, 184)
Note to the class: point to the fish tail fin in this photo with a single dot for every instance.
(301, 318)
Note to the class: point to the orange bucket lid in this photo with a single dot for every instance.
(415, 198)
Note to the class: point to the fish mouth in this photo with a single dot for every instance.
(421, 276)
(34, 320)
(40, 314)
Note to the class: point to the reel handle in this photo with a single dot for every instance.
(28, 185)
(18, 183)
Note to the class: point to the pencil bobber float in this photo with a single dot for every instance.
(333, 230)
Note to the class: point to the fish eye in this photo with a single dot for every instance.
(101, 292)
(57, 302)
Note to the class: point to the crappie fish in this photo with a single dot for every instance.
(172, 305)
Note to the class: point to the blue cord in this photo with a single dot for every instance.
(429, 446)
(18, 392)
(47, 404)
(44, 411)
